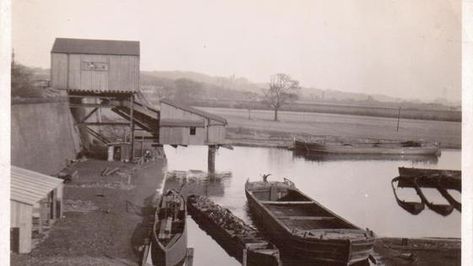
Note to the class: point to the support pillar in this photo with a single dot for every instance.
(132, 129)
(211, 159)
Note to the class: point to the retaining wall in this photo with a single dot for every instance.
(43, 135)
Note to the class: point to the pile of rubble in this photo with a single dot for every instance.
(223, 217)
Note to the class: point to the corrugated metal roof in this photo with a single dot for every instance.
(29, 187)
(180, 123)
(88, 46)
(195, 111)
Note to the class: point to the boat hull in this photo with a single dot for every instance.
(174, 251)
(170, 256)
(311, 251)
(382, 149)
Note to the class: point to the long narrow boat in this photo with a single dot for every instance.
(302, 228)
(232, 233)
(412, 207)
(169, 236)
(379, 147)
(326, 157)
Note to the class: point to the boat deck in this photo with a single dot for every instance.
(304, 216)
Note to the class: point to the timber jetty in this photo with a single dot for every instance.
(239, 239)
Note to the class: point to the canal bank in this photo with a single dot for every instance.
(102, 223)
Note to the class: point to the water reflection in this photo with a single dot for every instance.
(197, 182)
(358, 190)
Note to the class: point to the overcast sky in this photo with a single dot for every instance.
(401, 48)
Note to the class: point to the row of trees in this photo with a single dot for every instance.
(281, 90)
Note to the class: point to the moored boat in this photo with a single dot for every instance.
(376, 147)
(448, 179)
(440, 179)
(442, 209)
(237, 238)
(169, 236)
(413, 207)
(303, 228)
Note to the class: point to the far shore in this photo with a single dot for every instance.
(257, 128)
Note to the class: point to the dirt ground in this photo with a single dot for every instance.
(101, 224)
(258, 128)
(428, 252)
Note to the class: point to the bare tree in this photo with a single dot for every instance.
(282, 90)
(22, 80)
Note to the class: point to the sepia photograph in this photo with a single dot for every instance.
(255, 133)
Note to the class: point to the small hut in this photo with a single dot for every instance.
(36, 202)
(184, 125)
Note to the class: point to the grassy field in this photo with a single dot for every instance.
(260, 127)
(408, 110)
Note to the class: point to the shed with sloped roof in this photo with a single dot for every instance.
(184, 125)
(35, 200)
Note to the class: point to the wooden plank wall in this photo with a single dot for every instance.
(59, 71)
(22, 217)
(182, 136)
(217, 134)
(67, 72)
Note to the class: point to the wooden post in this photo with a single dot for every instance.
(398, 117)
(190, 257)
(244, 259)
(142, 145)
(53, 199)
(132, 129)
(211, 159)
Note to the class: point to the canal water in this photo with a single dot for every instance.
(358, 190)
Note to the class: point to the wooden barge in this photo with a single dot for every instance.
(378, 147)
(169, 236)
(326, 157)
(238, 239)
(302, 228)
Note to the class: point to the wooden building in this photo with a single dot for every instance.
(35, 202)
(100, 74)
(184, 125)
(95, 65)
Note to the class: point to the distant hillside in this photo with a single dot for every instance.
(232, 82)
(202, 86)
(307, 94)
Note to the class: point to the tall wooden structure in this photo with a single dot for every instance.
(98, 74)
